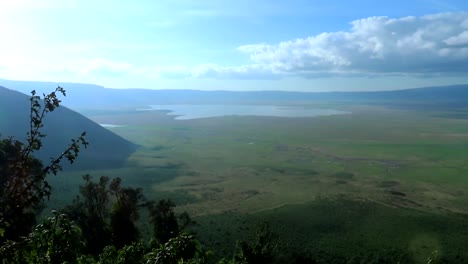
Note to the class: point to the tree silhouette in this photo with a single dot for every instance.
(164, 220)
(262, 249)
(55, 240)
(23, 184)
(124, 213)
(90, 210)
(106, 213)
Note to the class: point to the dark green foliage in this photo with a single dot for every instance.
(124, 214)
(19, 203)
(164, 220)
(23, 177)
(262, 249)
(91, 211)
(345, 230)
(183, 248)
(56, 240)
(129, 254)
(107, 213)
(103, 223)
(165, 225)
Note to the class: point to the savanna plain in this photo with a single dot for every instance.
(381, 179)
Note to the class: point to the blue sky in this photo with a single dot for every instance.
(236, 45)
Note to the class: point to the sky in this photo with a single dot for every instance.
(294, 45)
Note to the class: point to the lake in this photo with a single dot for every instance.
(190, 111)
(111, 125)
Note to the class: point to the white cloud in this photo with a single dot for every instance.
(460, 39)
(464, 24)
(432, 45)
(375, 46)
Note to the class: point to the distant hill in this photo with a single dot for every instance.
(94, 96)
(106, 149)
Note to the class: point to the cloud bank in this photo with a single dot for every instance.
(431, 45)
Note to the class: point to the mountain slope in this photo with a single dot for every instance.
(106, 149)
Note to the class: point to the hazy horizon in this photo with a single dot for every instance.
(5, 83)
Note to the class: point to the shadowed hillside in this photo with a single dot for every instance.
(106, 149)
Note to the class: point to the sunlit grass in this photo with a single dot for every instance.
(251, 165)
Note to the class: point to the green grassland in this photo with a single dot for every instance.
(409, 168)
(250, 164)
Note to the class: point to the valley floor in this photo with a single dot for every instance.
(409, 167)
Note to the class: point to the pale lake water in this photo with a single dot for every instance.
(111, 125)
(189, 111)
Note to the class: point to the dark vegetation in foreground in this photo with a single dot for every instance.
(346, 230)
(101, 224)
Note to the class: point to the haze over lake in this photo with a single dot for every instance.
(190, 111)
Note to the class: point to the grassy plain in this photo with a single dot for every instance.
(249, 164)
(404, 174)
